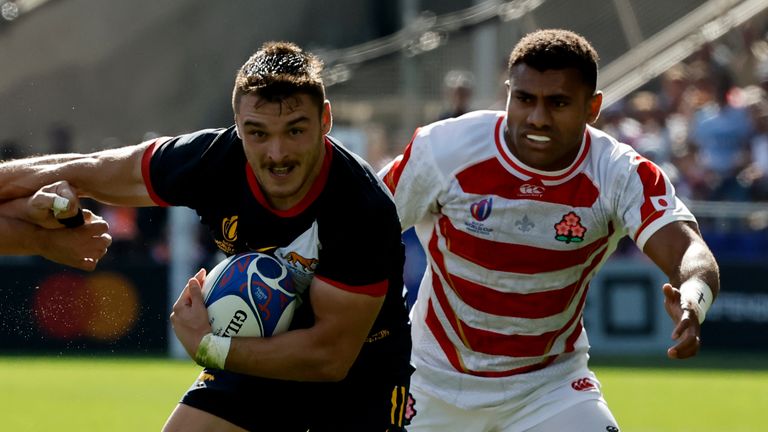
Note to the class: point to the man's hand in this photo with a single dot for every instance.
(190, 317)
(80, 247)
(52, 203)
(687, 330)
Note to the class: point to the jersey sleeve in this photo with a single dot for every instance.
(647, 201)
(361, 250)
(414, 180)
(174, 169)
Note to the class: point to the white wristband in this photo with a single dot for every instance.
(212, 351)
(696, 295)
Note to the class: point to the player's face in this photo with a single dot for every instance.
(547, 113)
(284, 144)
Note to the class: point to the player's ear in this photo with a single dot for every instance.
(326, 118)
(595, 102)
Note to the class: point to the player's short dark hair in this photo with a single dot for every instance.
(277, 71)
(557, 49)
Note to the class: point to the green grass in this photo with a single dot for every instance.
(653, 400)
(707, 394)
(76, 394)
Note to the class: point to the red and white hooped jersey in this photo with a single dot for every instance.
(511, 251)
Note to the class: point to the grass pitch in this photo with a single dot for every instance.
(90, 394)
(709, 394)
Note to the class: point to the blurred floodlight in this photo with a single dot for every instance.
(427, 41)
(9, 11)
(517, 9)
(337, 74)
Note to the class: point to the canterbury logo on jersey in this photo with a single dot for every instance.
(531, 190)
(583, 384)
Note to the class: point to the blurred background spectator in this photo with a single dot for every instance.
(458, 93)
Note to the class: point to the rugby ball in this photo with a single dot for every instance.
(249, 294)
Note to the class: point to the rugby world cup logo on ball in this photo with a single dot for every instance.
(249, 294)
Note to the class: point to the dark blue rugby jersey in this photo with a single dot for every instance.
(345, 231)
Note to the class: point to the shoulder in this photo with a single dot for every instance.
(204, 139)
(354, 186)
(465, 126)
(206, 145)
(618, 165)
(452, 143)
(608, 151)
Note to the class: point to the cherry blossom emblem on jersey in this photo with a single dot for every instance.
(570, 229)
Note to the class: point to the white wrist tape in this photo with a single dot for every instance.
(212, 351)
(59, 205)
(696, 295)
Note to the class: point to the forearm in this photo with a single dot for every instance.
(111, 176)
(22, 177)
(680, 252)
(297, 355)
(697, 263)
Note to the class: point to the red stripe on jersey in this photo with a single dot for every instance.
(146, 158)
(571, 341)
(392, 178)
(489, 342)
(543, 176)
(532, 306)
(314, 191)
(488, 300)
(654, 185)
(433, 323)
(377, 289)
(491, 178)
(513, 258)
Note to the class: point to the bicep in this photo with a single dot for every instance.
(115, 176)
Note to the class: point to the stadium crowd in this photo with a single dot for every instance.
(705, 121)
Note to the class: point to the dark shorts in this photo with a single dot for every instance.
(359, 403)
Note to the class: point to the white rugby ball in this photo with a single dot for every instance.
(249, 294)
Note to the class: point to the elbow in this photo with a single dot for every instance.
(333, 363)
(333, 370)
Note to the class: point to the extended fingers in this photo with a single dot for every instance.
(686, 333)
(687, 347)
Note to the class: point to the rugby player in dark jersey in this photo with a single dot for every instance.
(274, 182)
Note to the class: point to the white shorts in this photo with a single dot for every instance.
(575, 405)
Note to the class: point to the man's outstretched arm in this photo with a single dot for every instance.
(111, 176)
